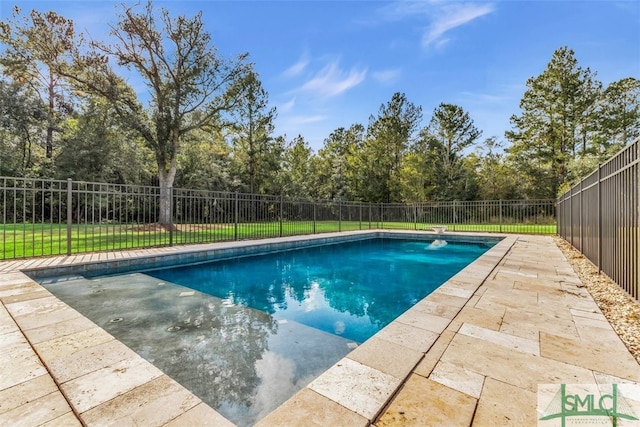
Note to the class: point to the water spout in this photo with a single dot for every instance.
(437, 244)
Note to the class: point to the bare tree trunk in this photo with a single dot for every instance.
(165, 179)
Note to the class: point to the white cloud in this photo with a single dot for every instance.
(301, 120)
(453, 16)
(483, 98)
(386, 76)
(501, 94)
(287, 106)
(311, 124)
(332, 81)
(401, 9)
(442, 16)
(297, 68)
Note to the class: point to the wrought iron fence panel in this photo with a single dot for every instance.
(328, 212)
(297, 217)
(111, 217)
(516, 216)
(399, 216)
(600, 216)
(32, 211)
(53, 217)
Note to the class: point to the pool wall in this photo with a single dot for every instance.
(236, 250)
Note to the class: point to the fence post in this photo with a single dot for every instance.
(599, 197)
(369, 215)
(571, 216)
(415, 216)
(339, 215)
(637, 224)
(314, 217)
(360, 216)
(381, 207)
(500, 204)
(455, 214)
(281, 212)
(171, 204)
(580, 219)
(235, 219)
(69, 213)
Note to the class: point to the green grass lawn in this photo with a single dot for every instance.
(29, 240)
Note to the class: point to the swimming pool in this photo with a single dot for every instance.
(245, 334)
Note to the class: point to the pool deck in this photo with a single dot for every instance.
(471, 353)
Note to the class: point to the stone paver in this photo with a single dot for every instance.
(25, 392)
(58, 329)
(432, 357)
(316, 410)
(154, 403)
(436, 309)
(458, 378)
(47, 408)
(511, 366)
(446, 406)
(100, 386)
(529, 323)
(201, 415)
(68, 345)
(41, 312)
(502, 404)
(476, 316)
(385, 356)
(422, 320)
(610, 358)
(507, 340)
(86, 360)
(412, 337)
(471, 353)
(355, 386)
(18, 362)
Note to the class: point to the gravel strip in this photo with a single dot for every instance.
(622, 311)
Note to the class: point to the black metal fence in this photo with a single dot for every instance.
(600, 216)
(50, 217)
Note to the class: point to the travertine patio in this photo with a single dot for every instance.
(473, 352)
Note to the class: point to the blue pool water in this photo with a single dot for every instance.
(352, 290)
(246, 334)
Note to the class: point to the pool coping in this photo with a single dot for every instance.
(37, 332)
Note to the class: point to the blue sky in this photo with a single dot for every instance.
(329, 64)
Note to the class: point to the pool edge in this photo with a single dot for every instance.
(486, 263)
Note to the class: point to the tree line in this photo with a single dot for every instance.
(68, 111)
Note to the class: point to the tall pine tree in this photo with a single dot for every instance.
(555, 119)
(389, 135)
(450, 132)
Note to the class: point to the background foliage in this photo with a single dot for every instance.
(205, 122)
